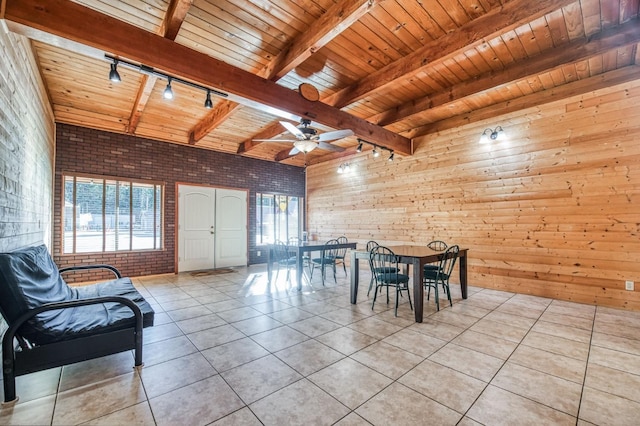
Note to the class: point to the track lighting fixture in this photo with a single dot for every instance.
(168, 91)
(492, 134)
(113, 74)
(377, 150)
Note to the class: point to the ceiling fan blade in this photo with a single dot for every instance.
(329, 147)
(293, 129)
(336, 134)
(294, 151)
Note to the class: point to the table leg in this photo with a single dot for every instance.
(299, 267)
(418, 289)
(463, 275)
(269, 264)
(355, 276)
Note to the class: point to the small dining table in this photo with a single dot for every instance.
(417, 256)
(300, 249)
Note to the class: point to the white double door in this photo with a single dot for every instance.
(212, 228)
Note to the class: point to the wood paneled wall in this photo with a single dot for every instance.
(552, 210)
(27, 141)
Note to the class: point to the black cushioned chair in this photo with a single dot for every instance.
(52, 324)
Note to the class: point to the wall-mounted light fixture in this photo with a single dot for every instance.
(492, 135)
(344, 167)
(168, 91)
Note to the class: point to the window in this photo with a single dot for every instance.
(278, 217)
(109, 214)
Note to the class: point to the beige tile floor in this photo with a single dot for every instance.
(231, 349)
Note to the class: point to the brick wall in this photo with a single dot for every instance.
(83, 150)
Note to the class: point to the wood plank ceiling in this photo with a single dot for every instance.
(405, 68)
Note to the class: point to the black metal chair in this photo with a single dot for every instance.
(435, 245)
(441, 275)
(342, 253)
(386, 272)
(283, 257)
(327, 259)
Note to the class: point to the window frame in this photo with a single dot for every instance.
(274, 208)
(158, 213)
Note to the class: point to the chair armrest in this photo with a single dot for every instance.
(85, 267)
(7, 341)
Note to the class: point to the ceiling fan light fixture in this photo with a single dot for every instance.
(168, 92)
(113, 73)
(305, 145)
(207, 103)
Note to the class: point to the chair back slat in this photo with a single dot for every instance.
(448, 260)
(437, 245)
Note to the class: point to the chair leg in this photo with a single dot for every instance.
(370, 285)
(435, 295)
(409, 296)
(375, 296)
(397, 298)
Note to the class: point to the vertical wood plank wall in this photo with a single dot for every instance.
(553, 210)
(27, 141)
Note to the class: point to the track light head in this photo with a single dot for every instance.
(359, 149)
(391, 157)
(376, 153)
(207, 103)
(168, 92)
(113, 73)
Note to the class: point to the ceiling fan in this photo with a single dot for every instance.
(307, 138)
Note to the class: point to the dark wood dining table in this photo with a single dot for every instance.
(299, 250)
(416, 256)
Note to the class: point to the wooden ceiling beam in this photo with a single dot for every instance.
(576, 51)
(267, 133)
(490, 25)
(142, 97)
(173, 19)
(620, 76)
(81, 24)
(335, 20)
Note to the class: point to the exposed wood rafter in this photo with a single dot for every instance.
(335, 20)
(576, 51)
(511, 15)
(173, 19)
(580, 87)
(81, 24)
